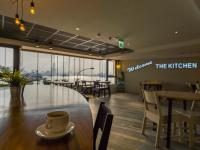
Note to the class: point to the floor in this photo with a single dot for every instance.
(126, 128)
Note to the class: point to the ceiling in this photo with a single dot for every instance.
(147, 26)
(38, 35)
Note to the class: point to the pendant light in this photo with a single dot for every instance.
(17, 22)
(22, 26)
(32, 8)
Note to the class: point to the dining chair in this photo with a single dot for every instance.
(192, 118)
(103, 122)
(154, 112)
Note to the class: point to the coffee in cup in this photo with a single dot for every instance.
(56, 122)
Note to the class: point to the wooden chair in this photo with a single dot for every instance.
(192, 118)
(103, 122)
(155, 113)
(101, 87)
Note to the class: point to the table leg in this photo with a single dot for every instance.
(169, 121)
(185, 108)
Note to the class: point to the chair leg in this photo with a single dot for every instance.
(144, 124)
(159, 129)
(181, 130)
(191, 138)
(174, 129)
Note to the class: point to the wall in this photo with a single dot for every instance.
(173, 79)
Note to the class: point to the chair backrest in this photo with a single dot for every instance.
(195, 103)
(151, 102)
(103, 122)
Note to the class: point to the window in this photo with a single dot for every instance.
(58, 67)
(66, 67)
(71, 69)
(29, 64)
(111, 71)
(44, 65)
(6, 58)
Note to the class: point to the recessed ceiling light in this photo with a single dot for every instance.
(176, 32)
(77, 29)
(37, 46)
(50, 48)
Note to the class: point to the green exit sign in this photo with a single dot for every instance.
(121, 43)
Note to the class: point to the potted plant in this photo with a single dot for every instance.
(120, 82)
(16, 81)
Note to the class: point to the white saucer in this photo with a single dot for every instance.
(41, 132)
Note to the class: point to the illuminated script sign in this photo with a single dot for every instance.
(180, 65)
(188, 65)
(137, 67)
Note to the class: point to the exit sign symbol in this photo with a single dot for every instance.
(121, 43)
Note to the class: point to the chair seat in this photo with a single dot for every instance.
(164, 111)
(189, 114)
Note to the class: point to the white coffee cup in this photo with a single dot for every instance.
(56, 122)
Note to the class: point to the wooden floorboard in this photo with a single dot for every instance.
(126, 129)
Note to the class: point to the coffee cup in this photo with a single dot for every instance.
(56, 121)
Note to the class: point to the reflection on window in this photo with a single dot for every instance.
(59, 67)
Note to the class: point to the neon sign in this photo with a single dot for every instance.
(180, 65)
(177, 66)
(137, 67)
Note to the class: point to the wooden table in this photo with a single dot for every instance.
(148, 85)
(178, 96)
(18, 122)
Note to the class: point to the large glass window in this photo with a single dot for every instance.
(66, 67)
(71, 69)
(58, 67)
(87, 73)
(29, 64)
(111, 71)
(6, 58)
(44, 65)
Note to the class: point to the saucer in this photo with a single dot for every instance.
(41, 132)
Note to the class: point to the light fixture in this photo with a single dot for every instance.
(21, 26)
(32, 8)
(50, 48)
(118, 66)
(77, 29)
(176, 32)
(17, 22)
(37, 46)
(98, 35)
